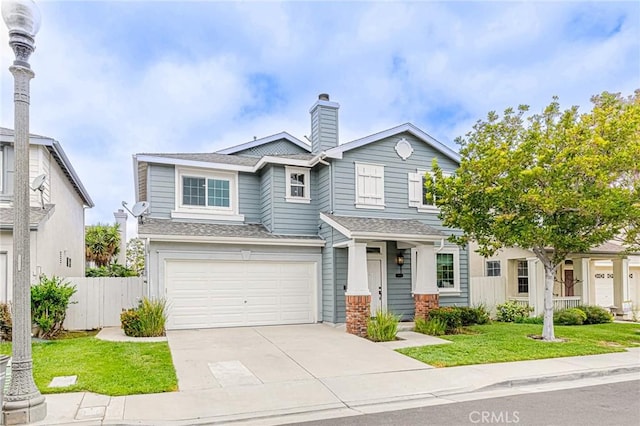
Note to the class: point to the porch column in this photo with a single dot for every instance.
(620, 282)
(582, 271)
(426, 293)
(536, 285)
(357, 297)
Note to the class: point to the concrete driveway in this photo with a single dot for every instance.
(229, 357)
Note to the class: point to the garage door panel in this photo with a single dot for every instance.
(208, 293)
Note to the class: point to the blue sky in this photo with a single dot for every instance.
(117, 78)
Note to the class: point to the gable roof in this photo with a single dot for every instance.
(262, 141)
(54, 147)
(407, 127)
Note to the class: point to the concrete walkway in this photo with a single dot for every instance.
(276, 374)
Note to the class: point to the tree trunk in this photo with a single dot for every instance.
(548, 333)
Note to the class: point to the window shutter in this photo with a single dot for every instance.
(415, 189)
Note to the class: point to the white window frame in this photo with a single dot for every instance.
(416, 191)
(362, 201)
(185, 211)
(455, 290)
(1, 168)
(518, 276)
(288, 170)
(486, 267)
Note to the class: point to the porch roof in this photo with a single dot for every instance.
(385, 229)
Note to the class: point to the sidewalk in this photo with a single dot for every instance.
(332, 396)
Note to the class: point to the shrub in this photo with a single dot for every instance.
(530, 320)
(596, 314)
(471, 316)
(383, 327)
(570, 316)
(6, 324)
(432, 327)
(511, 311)
(153, 316)
(130, 322)
(451, 316)
(50, 299)
(147, 320)
(112, 270)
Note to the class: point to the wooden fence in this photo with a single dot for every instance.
(99, 301)
(488, 291)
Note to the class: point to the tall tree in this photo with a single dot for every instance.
(102, 243)
(135, 255)
(556, 183)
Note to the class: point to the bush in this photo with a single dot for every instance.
(570, 316)
(50, 299)
(596, 314)
(112, 270)
(450, 316)
(530, 320)
(6, 324)
(432, 327)
(383, 327)
(130, 323)
(471, 316)
(147, 320)
(511, 311)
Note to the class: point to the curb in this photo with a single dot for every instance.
(561, 377)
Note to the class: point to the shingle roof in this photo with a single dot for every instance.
(36, 216)
(385, 226)
(208, 157)
(169, 227)
(608, 247)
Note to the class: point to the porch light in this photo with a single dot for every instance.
(400, 259)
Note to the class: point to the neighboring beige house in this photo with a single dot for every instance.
(604, 276)
(56, 220)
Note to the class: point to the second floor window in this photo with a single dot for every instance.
(297, 185)
(197, 191)
(369, 186)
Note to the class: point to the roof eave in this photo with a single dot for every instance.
(235, 240)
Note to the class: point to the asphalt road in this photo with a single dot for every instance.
(610, 404)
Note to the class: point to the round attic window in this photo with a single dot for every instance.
(404, 149)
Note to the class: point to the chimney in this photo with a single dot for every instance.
(121, 220)
(324, 124)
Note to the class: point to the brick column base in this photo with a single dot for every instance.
(425, 303)
(358, 313)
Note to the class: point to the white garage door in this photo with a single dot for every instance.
(604, 287)
(207, 293)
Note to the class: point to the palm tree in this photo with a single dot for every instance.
(102, 243)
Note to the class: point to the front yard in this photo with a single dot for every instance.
(503, 342)
(109, 368)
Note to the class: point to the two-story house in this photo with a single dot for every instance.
(57, 212)
(275, 231)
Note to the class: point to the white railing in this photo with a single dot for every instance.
(522, 301)
(560, 303)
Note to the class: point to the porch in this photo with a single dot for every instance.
(559, 303)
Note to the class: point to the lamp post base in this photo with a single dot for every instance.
(25, 411)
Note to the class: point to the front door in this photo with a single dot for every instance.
(374, 277)
(568, 282)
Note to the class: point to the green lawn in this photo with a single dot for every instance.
(502, 342)
(108, 368)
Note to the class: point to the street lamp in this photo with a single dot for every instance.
(23, 403)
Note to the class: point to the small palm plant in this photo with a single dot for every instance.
(383, 327)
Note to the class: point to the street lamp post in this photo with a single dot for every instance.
(23, 403)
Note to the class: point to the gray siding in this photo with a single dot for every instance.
(328, 275)
(266, 202)
(281, 146)
(293, 218)
(249, 197)
(324, 128)
(162, 195)
(399, 298)
(341, 264)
